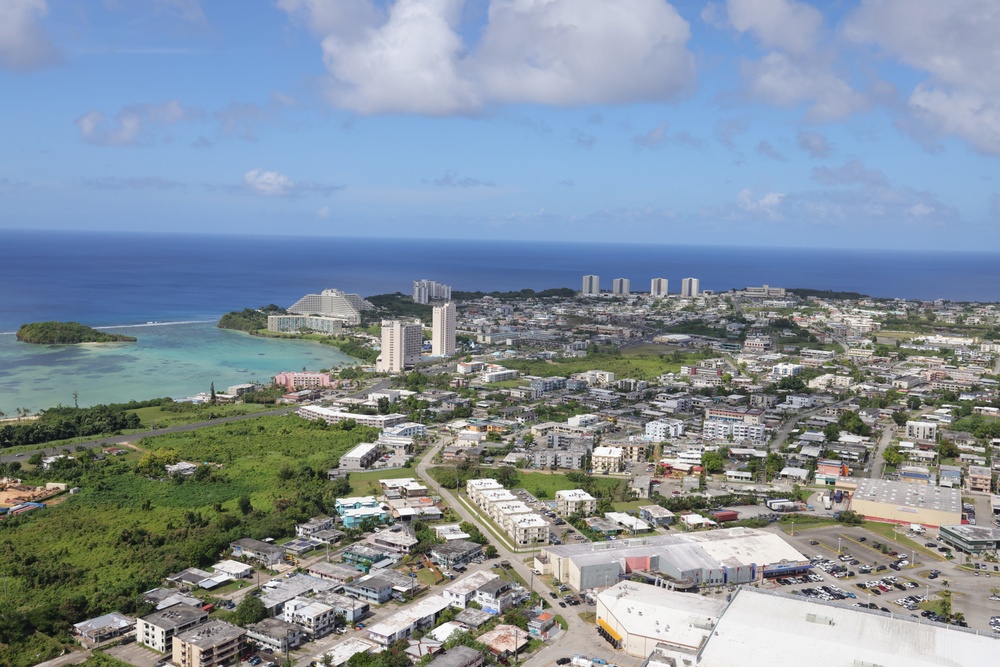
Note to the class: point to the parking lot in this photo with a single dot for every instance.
(890, 582)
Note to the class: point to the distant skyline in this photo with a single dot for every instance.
(865, 124)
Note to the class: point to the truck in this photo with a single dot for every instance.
(916, 528)
(827, 502)
(773, 503)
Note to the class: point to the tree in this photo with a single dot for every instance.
(250, 610)
(213, 399)
(244, 505)
(900, 417)
(712, 462)
(892, 455)
(490, 551)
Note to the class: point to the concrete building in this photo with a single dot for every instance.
(656, 515)
(425, 291)
(214, 643)
(306, 323)
(690, 287)
(979, 479)
(421, 615)
(296, 380)
(770, 629)
(637, 617)
(458, 656)
(591, 285)
(463, 591)
(713, 558)
(401, 344)
(575, 500)
(455, 552)
(921, 430)
(443, 330)
(342, 652)
(661, 430)
(265, 553)
(903, 502)
(971, 539)
(606, 459)
(659, 287)
(621, 286)
(157, 630)
(103, 628)
(274, 635)
(332, 416)
(332, 303)
(361, 455)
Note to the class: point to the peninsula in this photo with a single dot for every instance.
(66, 333)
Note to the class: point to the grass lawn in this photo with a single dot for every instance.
(641, 362)
(561, 621)
(588, 616)
(427, 577)
(632, 505)
(552, 482)
(885, 530)
(361, 482)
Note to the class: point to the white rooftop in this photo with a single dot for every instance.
(343, 651)
(909, 495)
(574, 494)
(470, 583)
(614, 452)
(761, 629)
(683, 620)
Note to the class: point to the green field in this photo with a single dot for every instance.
(552, 482)
(366, 483)
(124, 530)
(156, 417)
(644, 362)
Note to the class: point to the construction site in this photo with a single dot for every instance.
(14, 492)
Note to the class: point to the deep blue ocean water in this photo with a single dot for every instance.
(115, 279)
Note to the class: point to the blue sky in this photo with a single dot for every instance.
(857, 124)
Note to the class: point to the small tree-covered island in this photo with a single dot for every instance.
(67, 333)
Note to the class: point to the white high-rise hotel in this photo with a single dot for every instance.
(690, 287)
(591, 284)
(401, 342)
(443, 330)
(425, 291)
(658, 287)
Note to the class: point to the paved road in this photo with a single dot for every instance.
(787, 427)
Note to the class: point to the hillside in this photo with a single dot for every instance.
(66, 333)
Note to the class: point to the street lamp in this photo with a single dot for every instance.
(838, 544)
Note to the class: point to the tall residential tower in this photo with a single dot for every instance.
(621, 286)
(690, 287)
(658, 287)
(591, 285)
(401, 342)
(443, 330)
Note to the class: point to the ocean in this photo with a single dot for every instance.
(124, 279)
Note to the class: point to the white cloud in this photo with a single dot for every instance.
(766, 204)
(956, 45)
(24, 44)
(411, 58)
(275, 184)
(268, 183)
(133, 124)
(813, 143)
(797, 68)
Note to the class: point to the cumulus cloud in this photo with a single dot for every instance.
(767, 204)
(813, 143)
(24, 44)
(765, 148)
(452, 180)
(727, 130)
(410, 57)
(132, 125)
(275, 184)
(796, 69)
(658, 136)
(956, 45)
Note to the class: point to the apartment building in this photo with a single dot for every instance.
(621, 286)
(401, 344)
(443, 330)
(157, 630)
(575, 500)
(215, 643)
(606, 459)
(690, 287)
(658, 287)
(664, 429)
(591, 285)
(921, 430)
(524, 527)
(425, 291)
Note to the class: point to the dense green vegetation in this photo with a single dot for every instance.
(640, 363)
(703, 328)
(352, 347)
(396, 305)
(552, 292)
(806, 293)
(249, 319)
(129, 526)
(61, 423)
(66, 333)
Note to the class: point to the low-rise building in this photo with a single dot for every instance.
(458, 656)
(979, 479)
(373, 589)
(314, 617)
(455, 552)
(656, 515)
(971, 539)
(264, 553)
(103, 628)
(661, 430)
(275, 635)
(157, 630)
(420, 615)
(606, 459)
(572, 501)
(463, 591)
(211, 644)
(336, 572)
(505, 640)
(363, 455)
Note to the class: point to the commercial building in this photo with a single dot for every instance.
(215, 643)
(637, 617)
(659, 287)
(332, 303)
(621, 286)
(443, 330)
(572, 501)
(401, 344)
(591, 285)
(157, 630)
(903, 502)
(425, 291)
(770, 629)
(295, 380)
(714, 558)
(664, 429)
(308, 323)
(690, 287)
(971, 539)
